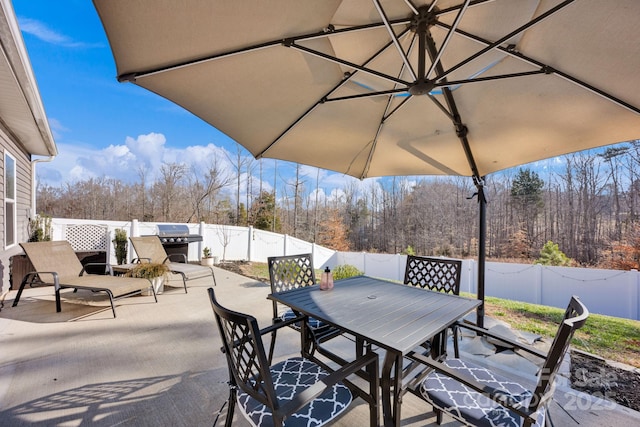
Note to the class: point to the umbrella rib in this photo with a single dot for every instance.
(379, 93)
(454, 8)
(366, 95)
(450, 34)
(324, 98)
(330, 30)
(133, 76)
(546, 69)
(597, 91)
(498, 42)
(394, 38)
(296, 121)
(442, 107)
(413, 7)
(385, 116)
(402, 103)
(448, 83)
(347, 63)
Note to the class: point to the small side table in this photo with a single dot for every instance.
(119, 270)
(157, 283)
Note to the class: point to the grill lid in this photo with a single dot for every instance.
(172, 230)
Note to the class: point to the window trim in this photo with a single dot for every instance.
(6, 200)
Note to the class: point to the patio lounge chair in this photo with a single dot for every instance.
(295, 391)
(291, 272)
(56, 261)
(150, 249)
(476, 395)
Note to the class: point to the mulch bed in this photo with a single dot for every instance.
(243, 268)
(596, 377)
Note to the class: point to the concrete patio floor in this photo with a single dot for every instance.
(161, 365)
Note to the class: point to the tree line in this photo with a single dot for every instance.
(588, 206)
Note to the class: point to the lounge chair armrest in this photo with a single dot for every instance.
(39, 273)
(495, 394)
(31, 276)
(304, 397)
(139, 260)
(107, 267)
(482, 331)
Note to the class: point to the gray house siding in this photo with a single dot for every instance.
(23, 203)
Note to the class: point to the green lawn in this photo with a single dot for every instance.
(609, 337)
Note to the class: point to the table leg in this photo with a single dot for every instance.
(391, 400)
(305, 341)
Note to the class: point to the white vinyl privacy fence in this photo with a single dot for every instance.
(611, 292)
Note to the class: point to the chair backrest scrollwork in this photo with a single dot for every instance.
(436, 274)
(291, 272)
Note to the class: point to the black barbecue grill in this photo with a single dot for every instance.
(175, 238)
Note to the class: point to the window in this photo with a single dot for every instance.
(9, 200)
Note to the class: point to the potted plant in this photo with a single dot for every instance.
(40, 229)
(120, 244)
(156, 273)
(207, 258)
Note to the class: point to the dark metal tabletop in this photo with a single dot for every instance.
(393, 316)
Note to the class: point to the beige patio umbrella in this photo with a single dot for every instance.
(392, 87)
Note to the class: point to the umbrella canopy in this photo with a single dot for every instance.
(392, 87)
(351, 85)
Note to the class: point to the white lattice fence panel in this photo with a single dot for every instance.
(87, 237)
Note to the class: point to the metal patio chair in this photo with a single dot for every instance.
(435, 274)
(150, 249)
(291, 272)
(476, 395)
(438, 275)
(294, 392)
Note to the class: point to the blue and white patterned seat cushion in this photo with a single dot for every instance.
(289, 378)
(464, 403)
(313, 323)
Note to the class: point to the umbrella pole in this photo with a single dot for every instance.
(482, 243)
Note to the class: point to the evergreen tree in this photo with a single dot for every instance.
(526, 198)
(550, 254)
(265, 212)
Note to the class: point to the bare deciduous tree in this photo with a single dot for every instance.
(203, 188)
(171, 175)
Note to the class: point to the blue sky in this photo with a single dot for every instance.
(103, 128)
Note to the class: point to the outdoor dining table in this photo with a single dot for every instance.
(392, 316)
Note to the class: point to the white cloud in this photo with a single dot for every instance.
(40, 30)
(148, 151)
(337, 195)
(78, 161)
